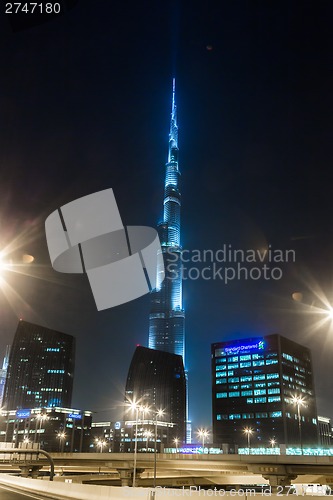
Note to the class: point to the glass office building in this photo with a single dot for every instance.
(255, 383)
(157, 379)
(40, 368)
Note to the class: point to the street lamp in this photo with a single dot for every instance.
(147, 434)
(26, 441)
(135, 407)
(248, 431)
(299, 401)
(272, 442)
(61, 436)
(203, 434)
(41, 417)
(158, 413)
(101, 444)
(176, 441)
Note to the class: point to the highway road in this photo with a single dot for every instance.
(6, 494)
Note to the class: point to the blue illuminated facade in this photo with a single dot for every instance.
(254, 381)
(167, 316)
(40, 369)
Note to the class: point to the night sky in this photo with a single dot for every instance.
(85, 105)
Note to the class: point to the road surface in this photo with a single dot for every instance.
(6, 494)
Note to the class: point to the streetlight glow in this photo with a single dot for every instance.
(248, 431)
(203, 434)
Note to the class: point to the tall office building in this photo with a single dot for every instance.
(3, 373)
(167, 316)
(157, 379)
(40, 369)
(255, 383)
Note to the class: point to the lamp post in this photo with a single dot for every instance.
(176, 441)
(203, 434)
(248, 431)
(41, 417)
(135, 407)
(299, 401)
(61, 436)
(148, 434)
(272, 442)
(101, 444)
(158, 413)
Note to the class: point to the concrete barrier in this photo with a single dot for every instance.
(67, 491)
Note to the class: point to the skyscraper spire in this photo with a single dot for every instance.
(173, 136)
(167, 316)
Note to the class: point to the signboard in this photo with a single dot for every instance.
(23, 414)
(117, 425)
(239, 348)
(75, 416)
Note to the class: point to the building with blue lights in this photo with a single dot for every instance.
(40, 368)
(255, 382)
(167, 316)
(164, 386)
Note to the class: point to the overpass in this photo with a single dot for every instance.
(181, 470)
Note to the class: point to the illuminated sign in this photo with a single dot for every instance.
(23, 413)
(117, 425)
(236, 349)
(76, 416)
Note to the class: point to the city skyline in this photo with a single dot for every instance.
(85, 109)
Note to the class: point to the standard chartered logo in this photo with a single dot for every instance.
(88, 236)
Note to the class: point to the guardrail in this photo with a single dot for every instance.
(27, 451)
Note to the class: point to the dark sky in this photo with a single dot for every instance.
(85, 105)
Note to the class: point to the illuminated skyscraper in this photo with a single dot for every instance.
(157, 375)
(40, 369)
(167, 316)
(264, 386)
(3, 373)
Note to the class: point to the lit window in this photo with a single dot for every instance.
(245, 358)
(234, 416)
(258, 363)
(246, 379)
(276, 414)
(274, 399)
(234, 394)
(248, 415)
(233, 359)
(272, 375)
(246, 386)
(233, 380)
(221, 381)
(221, 374)
(271, 361)
(249, 401)
(260, 385)
(245, 364)
(274, 391)
(262, 415)
(233, 366)
(259, 392)
(221, 417)
(220, 395)
(233, 386)
(287, 356)
(247, 393)
(230, 373)
(221, 367)
(260, 400)
(259, 377)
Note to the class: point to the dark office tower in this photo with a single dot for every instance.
(167, 316)
(157, 379)
(40, 369)
(255, 383)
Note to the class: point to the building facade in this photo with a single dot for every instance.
(157, 379)
(325, 431)
(40, 368)
(119, 437)
(53, 429)
(263, 390)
